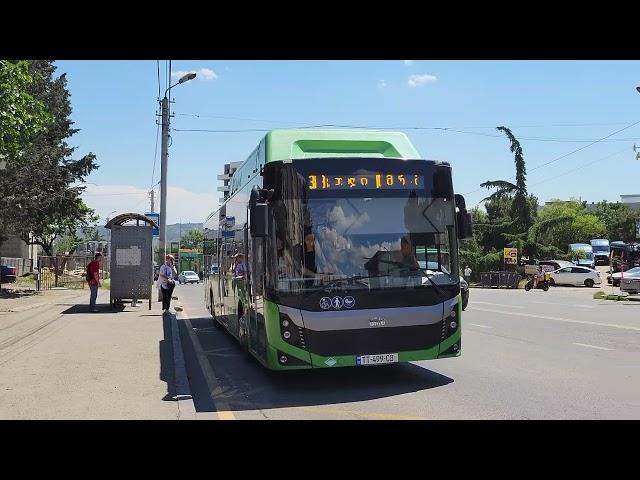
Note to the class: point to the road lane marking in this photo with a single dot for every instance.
(565, 304)
(591, 346)
(498, 304)
(481, 326)
(224, 412)
(557, 319)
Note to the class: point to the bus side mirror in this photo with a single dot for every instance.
(258, 214)
(258, 220)
(463, 219)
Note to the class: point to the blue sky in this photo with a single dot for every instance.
(114, 105)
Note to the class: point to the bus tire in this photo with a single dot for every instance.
(216, 323)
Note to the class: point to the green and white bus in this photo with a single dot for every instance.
(333, 226)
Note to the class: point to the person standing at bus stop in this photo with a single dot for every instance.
(167, 281)
(93, 278)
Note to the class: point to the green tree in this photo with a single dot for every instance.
(91, 233)
(21, 114)
(520, 211)
(192, 239)
(619, 221)
(44, 197)
(511, 210)
(579, 226)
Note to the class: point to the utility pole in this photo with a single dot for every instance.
(152, 198)
(164, 160)
(163, 174)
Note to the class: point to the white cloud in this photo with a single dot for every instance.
(203, 74)
(408, 62)
(182, 205)
(382, 83)
(420, 80)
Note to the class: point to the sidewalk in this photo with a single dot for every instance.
(58, 361)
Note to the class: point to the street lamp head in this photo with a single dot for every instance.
(187, 77)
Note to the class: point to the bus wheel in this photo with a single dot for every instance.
(216, 323)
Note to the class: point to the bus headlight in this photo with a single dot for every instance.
(292, 333)
(453, 325)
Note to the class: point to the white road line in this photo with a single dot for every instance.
(498, 304)
(591, 346)
(565, 304)
(481, 326)
(215, 390)
(557, 319)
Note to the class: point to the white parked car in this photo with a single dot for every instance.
(575, 276)
(188, 277)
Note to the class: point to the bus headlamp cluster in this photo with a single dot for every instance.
(291, 333)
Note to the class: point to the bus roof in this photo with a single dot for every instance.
(579, 246)
(301, 143)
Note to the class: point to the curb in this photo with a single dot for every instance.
(186, 407)
(618, 298)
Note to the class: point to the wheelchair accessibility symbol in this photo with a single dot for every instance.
(325, 303)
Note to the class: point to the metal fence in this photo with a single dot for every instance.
(499, 279)
(66, 271)
(23, 265)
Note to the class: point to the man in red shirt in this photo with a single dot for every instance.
(93, 270)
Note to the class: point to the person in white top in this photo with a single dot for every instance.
(467, 273)
(166, 276)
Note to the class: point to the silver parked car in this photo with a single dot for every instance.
(188, 277)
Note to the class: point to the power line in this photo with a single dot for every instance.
(443, 129)
(468, 127)
(155, 155)
(567, 154)
(581, 167)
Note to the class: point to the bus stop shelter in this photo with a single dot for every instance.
(131, 257)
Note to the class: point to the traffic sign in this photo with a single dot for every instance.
(156, 218)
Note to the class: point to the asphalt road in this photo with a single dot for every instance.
(525, 355)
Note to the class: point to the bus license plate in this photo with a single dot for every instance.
(379, 359)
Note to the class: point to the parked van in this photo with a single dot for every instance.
(587, 257)
(601, 251)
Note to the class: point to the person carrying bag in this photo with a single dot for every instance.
(166, 276)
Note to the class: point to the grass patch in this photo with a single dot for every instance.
(26, 281)
(599, 295)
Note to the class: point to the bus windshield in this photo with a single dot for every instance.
(364, 240)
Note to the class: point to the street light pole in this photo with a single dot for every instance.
(163, 175)
(163, 164)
